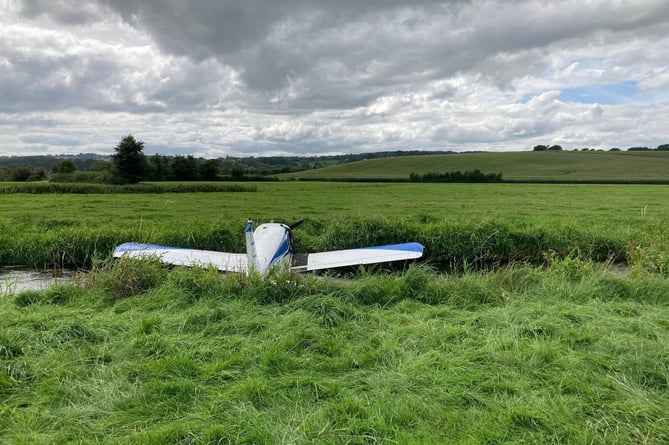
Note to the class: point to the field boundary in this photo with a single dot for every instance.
(85, 188)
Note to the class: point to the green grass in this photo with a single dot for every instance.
(569, 354)
(459, 224)
(83, 187)
(562, 351)
(624, 166)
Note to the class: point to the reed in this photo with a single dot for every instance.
(448, 245)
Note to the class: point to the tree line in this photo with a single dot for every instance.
(663, 147)
(90, 167)
(128, 165)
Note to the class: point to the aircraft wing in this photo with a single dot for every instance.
(367, 255)
(177, 256)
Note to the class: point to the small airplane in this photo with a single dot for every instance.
(270, 247)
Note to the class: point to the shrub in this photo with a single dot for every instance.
(92, 177)
(457, 176)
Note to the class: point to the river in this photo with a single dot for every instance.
(17, 279)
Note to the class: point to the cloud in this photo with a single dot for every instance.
(297, 76)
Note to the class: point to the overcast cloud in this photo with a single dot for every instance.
(259, 77)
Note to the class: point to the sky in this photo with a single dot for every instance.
(216, 78)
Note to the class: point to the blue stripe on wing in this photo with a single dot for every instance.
(134, 247)
(405, 247)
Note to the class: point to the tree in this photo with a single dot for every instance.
(663, 147)
(555, 148)
(129, 162)
(63, 166)
(159, 167)
(237, 173)
(22, 174)
(37, 174)
(209, 169)
(540, 148)
(184, 168)
(101, 166)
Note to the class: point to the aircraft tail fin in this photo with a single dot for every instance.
(250, 245)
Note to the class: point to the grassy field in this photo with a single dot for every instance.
(529, 338)
(140, 355)
(519, 166)
(486, 223)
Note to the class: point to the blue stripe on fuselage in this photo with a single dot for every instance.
(281, 252)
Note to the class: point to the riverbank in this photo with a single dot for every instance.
(139, 354)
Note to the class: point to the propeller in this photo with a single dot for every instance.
(296, 224)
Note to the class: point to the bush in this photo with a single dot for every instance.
(92, 177)
(23, 174)
(457, 176)
(63, 166)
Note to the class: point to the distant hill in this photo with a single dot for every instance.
(82, 161)
(568, 166)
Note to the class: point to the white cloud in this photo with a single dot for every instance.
(656, 81)
(218, 77)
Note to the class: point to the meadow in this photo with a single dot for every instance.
(559, 166)
(514, 329)
(477, 224)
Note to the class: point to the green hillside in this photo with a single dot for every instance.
(519, 166)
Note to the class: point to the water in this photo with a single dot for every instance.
(16, 279)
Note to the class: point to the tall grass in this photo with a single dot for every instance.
(567, 354)
(463, 227)
(55, 244)
(86, 188)
(448, 245)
